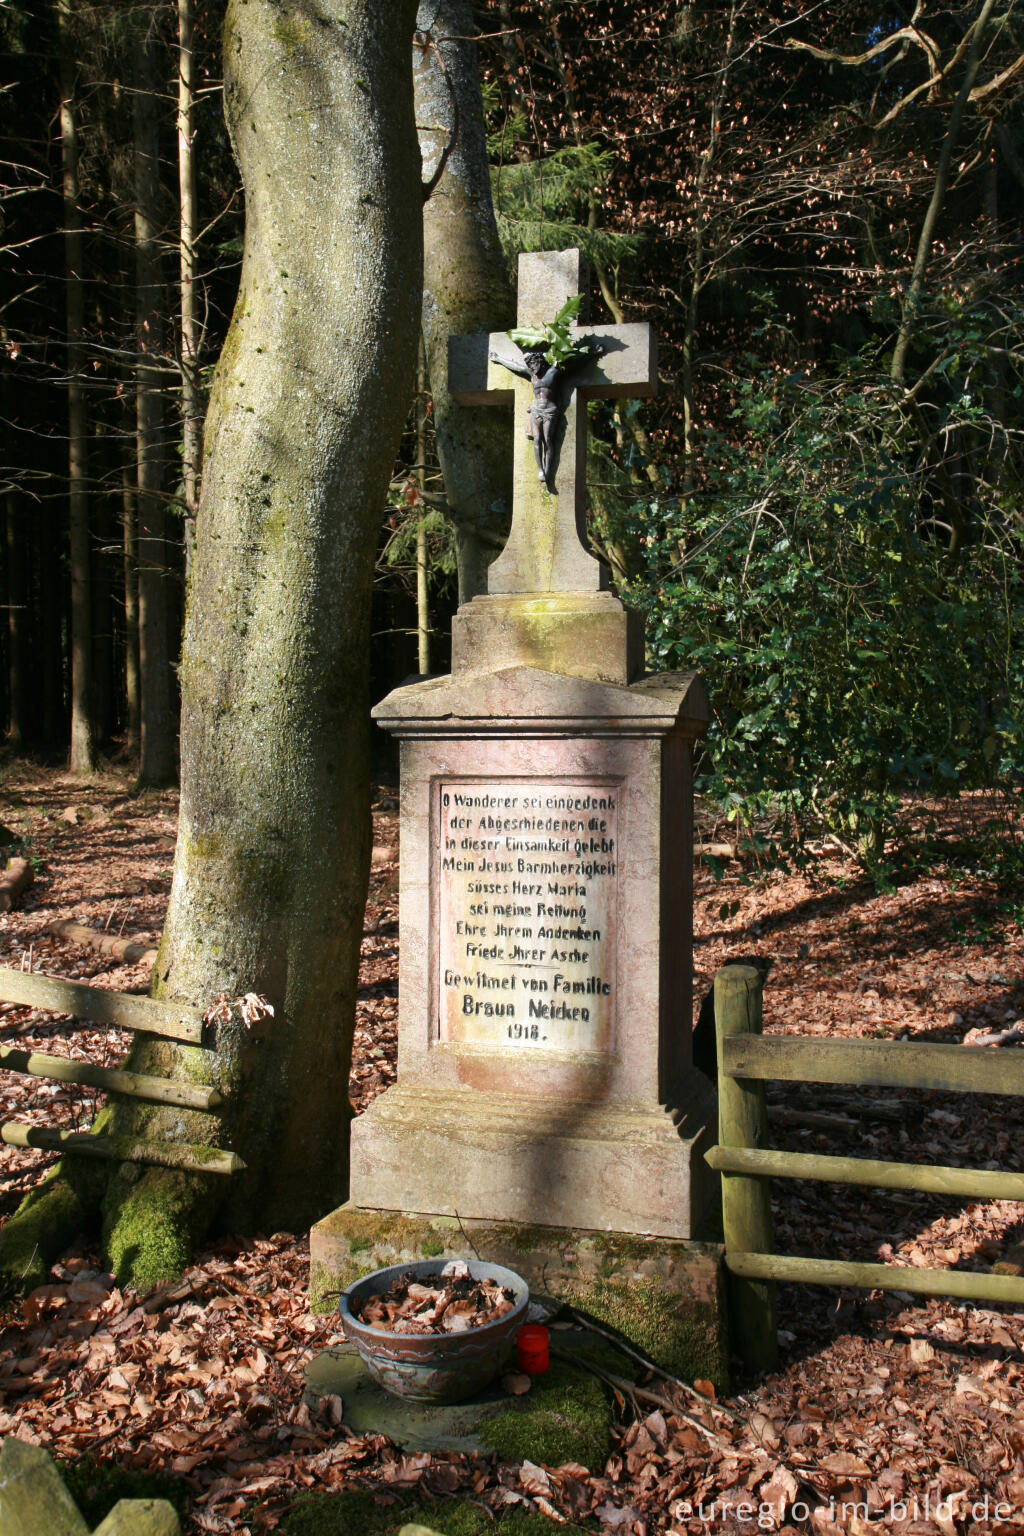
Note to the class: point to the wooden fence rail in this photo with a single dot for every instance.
(873, 1063)
(134, 1085)
(746, 1059)
(122, 1149)
(144, 1014)
(174, 1020)
(925, 1178)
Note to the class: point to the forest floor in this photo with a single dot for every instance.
(913, 1413)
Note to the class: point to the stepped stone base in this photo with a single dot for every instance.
(663, 1295)
(610, 1166)
(588, 635)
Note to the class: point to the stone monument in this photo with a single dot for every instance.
(546, 1108)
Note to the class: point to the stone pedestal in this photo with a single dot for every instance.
(544, 976)
(546, 1110)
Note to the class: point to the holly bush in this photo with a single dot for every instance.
(854, 646)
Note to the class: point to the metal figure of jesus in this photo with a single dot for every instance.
(546, 410)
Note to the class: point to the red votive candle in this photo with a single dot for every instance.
(532, 1349)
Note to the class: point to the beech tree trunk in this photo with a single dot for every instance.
(465, 283)
(191, 400)
(82, 755)
(306, 412)
(271, 867)
(157, 763)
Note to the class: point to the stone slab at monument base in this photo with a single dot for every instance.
(611, 1166)
(664, 1295)
(566, 1415)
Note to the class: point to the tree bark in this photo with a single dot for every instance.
(422, 550)
(17, 676)
(700, 261)
(465, 282)
(191, 402)
(305, 416)
(82, 756)
(156, 726)
(16, 573)
(131, 607)
(48, 586)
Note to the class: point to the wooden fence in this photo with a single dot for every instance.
(746, 1060)
(171, 1020)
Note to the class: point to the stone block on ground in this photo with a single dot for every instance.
(565, 1416)
(141, 1517)
(33, 1498)
(662, 1295)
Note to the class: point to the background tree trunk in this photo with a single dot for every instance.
(306, 412)
(17, 678)
(422, 549)
(912, 296)
(82, 757)
(465, 283)
(157, 763)
(191, 403)
(129, 554)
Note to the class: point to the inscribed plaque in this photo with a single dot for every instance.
(527, 913)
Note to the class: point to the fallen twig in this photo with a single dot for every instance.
(1012, 1036)
(643, 1394)
(648, 1364)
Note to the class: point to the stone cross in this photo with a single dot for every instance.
(546, 549)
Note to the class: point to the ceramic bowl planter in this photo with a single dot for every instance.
(434, 1367)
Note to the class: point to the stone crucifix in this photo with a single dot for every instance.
(546, 549)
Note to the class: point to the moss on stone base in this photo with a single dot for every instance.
(369, 1240)
(664, 1296)
(671, 1330)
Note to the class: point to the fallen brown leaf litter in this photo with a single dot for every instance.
(887, 1414)
(455, 1305)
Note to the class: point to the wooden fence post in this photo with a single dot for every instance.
(746, 1201)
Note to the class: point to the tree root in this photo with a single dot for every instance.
(65, 1206)
(152, 1220)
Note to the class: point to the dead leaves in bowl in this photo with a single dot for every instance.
(453, 1303)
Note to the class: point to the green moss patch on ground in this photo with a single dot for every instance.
(354, 1513)
(566, 1417)
(96, 1486)
(49, 1219)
